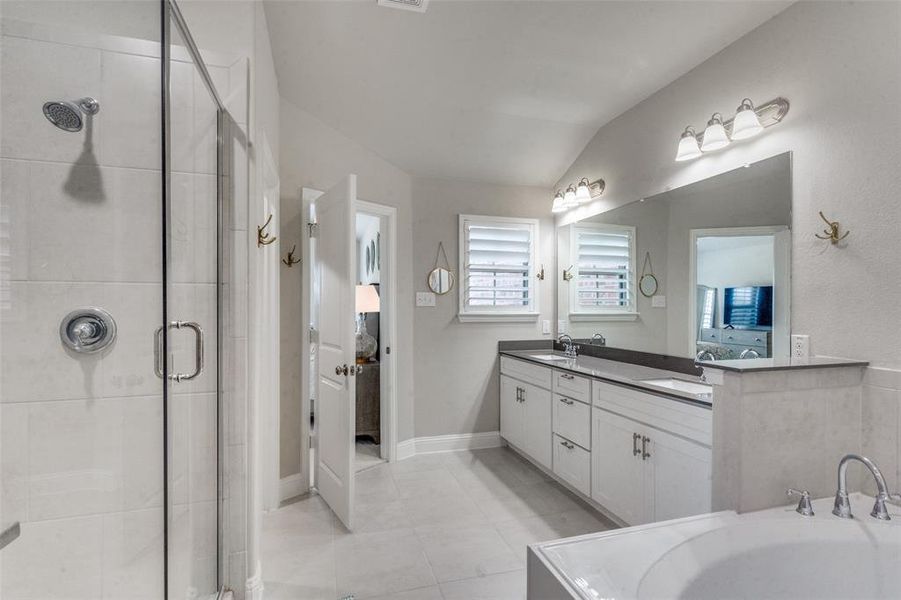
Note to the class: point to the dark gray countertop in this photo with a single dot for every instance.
(622, 373)
(781, 364)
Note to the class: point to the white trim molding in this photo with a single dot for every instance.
(448, 443)
(291, 486)
(498, 317)
(623, 316)
(253, 589)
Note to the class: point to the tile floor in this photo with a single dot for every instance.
(368, 454)
(450, 526)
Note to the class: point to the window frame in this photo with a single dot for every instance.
(529, 313)
(606, 313)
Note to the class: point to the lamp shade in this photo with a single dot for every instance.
(715, 135)
(746, 124)
(367, 299)
(558, 206)
(569, 198)
(583, 191)
(688, 146)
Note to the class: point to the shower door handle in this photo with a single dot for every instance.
(159, 352)
(198, 350)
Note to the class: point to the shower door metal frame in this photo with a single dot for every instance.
(170, 13)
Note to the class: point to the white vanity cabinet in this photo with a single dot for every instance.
(526, 409)
(651, 456)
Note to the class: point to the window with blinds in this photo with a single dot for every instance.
(498, 260)
(604, 273)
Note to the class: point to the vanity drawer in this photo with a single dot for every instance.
(572, 420)
(572, 386)
(572, 464)
(526, 371)
(747, 339)
(710, 335)
(686, 420)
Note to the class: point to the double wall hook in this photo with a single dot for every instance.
(289, 260)
(831, 232)
(264, 238)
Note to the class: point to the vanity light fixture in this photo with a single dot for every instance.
(569, 197)
(558, 206)
(715, 135)
(749, 121)
(583, 193)
(688, 145)
(746, 124)
(577, 194)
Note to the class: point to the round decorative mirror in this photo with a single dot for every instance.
(647, 285)
(441, 280)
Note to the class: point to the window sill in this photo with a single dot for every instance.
(619, 316)
(498, 317)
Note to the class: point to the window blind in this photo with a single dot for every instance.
(604, 261)
(497, 266)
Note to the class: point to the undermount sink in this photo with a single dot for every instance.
(548, 357)
(680, 385)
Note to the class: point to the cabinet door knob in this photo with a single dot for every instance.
(567, 376)
(644, 448)
(566, 401)
(635, 450)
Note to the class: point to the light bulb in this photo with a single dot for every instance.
(583, 191)
(688, 145)
(569, 198)
(746, 124)
(715, 135)
(558, 206)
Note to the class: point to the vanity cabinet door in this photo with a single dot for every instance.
(512, 411)
(536, 424)
(679, 476)
(617, 471)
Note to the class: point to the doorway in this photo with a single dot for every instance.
(373, 427)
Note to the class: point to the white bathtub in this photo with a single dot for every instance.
(774, 553)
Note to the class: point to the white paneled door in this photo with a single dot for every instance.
(335, 412)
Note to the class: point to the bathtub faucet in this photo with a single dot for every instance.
(842, 506)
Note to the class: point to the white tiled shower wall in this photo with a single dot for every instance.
(82, 437)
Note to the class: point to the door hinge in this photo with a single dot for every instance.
(388, 350)
(314, 229)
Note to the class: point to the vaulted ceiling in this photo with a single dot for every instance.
(498, 91)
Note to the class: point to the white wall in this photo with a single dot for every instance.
(839, 64)
(316, 156)
(456, 365)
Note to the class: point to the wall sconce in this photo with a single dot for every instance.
(748, 122)
(577, 194)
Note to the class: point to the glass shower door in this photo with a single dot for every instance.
(190, 338)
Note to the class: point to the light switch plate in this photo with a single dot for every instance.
(561, 326)
(800, 346)
(658, 301)
(546, 327)
(425, 299)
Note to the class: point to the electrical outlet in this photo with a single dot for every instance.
(800, 346)
(546, 327)
(425, 299)
(561, 326)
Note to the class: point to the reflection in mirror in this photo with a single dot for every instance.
(441, 280)
(721, 280)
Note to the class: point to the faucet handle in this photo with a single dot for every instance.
(804, 506)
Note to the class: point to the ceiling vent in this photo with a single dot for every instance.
(416, 5)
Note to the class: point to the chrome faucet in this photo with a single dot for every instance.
(704, 355)
(600, 339)
(569, 348)
(842, 506)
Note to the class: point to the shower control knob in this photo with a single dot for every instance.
(87, 330)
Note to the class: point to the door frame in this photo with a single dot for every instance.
(387, 312)
(781, 279)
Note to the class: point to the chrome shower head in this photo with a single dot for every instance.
(67, 115)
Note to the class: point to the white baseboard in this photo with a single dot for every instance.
(448, 443)
(406, 449)
(291, 486)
